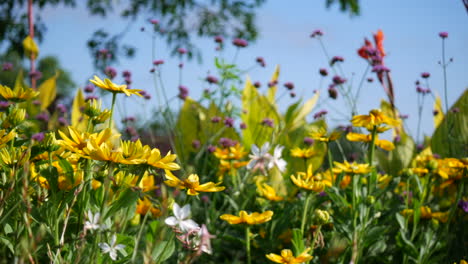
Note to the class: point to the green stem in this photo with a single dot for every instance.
(355, 246)
(114, 96)
(304, 214)
(247, 244)
(330, 163)
(137, 240)
(372, 146)
(444, 68)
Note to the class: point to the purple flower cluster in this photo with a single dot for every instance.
(338, 80)
(289, 85)
(320, 114)
(110, 72)
(308, 141)
(229, 122)
(268, 122)
(316, 33)
(7, 66)
(211, 79)
(332, 92)
(183, 92)
(422, 91)
(89, 88)
(336, 59)
(323, 72)
(227, 142)
(240, 43)
(261, 61)
(38, 136)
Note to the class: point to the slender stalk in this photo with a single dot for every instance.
(31, 35)
(114, 96)
(355, 245)
(247, 244)
(137, 239)
(330, 163)
(372, 146)
(304, 214)
(444, 68)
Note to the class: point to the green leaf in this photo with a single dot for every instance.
(7, 243)
(256, 108)
(299, 119)
(450, 139)
(7, 229)
(48, 91)
(163, 251)
(271, 94)
(126, 199)
(400, 157)
(78, 120)
(401, 221)
(194, 123)
(297, 241)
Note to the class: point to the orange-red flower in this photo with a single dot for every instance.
(378, 39)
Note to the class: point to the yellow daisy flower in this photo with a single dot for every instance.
(250, 219)
(287, 257)
(144, 205)
(155, 159)
(381, 143)
(114, 88)
(18, 94)
(236, 152)
(353, 168)
(375, 119)
(306, 180)
(192, 184)
(268, 192)
(302, 153)
(323, 136)
(4, 137)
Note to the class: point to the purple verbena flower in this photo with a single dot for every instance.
(268, 122)
(110, 72)
(323, 72)
(7, 66)
(289, 85)
(240, 43)
(38, 136)
(228, 122)
(211, 79)
(316, 33)
(443, 34)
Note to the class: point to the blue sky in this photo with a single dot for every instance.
(411, 40)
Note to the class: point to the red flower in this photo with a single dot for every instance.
(364, 50)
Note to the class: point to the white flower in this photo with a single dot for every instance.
(111, 248)
(180, 218)
(276, 160)
(93, 221)
(259, 157)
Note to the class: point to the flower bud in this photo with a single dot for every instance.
(322, 217)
